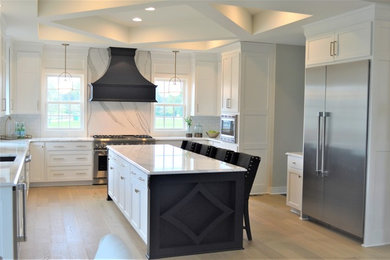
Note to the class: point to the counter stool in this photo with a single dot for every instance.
(207, 150)
(188, 145)
(223, 154)
(251, 163)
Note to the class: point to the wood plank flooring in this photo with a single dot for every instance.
(68, 222)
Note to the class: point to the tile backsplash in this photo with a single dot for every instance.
(32, 124)
(207, 123)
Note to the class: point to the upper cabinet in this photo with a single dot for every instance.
(344, 44)
(25, 80)
(205, 88)
(3, 59)
(230, 76)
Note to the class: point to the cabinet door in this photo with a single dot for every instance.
(226, 82)
(37, 164)
(294, 189)
(354, 42)
(139, 204)
(236, 65)
(205, 89)
(26, 90)
(230, 82)
(111, 175)
(318, 49)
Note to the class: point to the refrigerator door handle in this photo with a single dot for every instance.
(324, 172)
(318, 171)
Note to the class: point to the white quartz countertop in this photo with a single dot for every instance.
(10, 171)
(297, 154)
(167, 159)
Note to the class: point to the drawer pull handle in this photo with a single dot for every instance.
(294, 163)
(80, 173)
(81, 146)
(58, 158)
(58, 174)
(58, 146)
(81, 158)
(136, 191)
(133, 173)
(139, 178)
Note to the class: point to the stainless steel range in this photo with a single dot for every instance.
(100, 151)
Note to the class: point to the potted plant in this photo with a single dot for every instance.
(188, 121)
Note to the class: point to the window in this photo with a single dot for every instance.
(64, 109)
(170, 110)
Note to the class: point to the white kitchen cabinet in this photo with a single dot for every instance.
(348, 43)
(37, 164)
(128, 188)
(205, 89)
(61, 162)
(294, 182)
(3, 62)
(230, 76)
(26, 82)
(139, 202)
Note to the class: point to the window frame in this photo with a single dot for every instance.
(61, 132)
(186, 79)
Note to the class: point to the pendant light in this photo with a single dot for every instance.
(65, 79)
(175, 83)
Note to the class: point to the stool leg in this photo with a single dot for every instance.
(246, 220)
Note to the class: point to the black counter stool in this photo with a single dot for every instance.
(188, 145)
(251, 163)
(207, 150)
(223, 154)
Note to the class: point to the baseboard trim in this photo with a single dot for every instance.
(278, 190)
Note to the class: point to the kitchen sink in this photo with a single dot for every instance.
(7, 158)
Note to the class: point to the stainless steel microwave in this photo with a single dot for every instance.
(229, 128)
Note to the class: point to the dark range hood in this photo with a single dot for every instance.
(122, 81)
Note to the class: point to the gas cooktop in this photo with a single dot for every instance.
(101, 141)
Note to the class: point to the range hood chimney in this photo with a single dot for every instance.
(122, 81)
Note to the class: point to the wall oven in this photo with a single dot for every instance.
(229, 128)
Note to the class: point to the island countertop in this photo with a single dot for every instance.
(163, 159)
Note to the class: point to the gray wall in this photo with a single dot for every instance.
(289, 99)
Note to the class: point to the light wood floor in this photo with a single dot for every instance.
(68, 222)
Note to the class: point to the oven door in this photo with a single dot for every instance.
(228, 129)
(100, 167)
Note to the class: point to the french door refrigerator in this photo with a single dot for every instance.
(335, 143)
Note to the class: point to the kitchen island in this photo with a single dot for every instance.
(179, 202)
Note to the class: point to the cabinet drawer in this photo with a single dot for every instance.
(138, 175)
(69, 173)
(64, 158)
(295, 162)
(77, 146)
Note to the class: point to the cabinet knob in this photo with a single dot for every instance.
(294, 163)
(136, 191)
(122, 178)
(111, 168)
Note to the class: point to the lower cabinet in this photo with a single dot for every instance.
(61, 162)
(128, 188)
(294, 182)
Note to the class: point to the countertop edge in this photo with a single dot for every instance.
(149, 173)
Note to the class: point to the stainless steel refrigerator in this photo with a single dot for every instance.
(335, 144)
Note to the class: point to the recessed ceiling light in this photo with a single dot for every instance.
(150, 8)
(137, 19)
